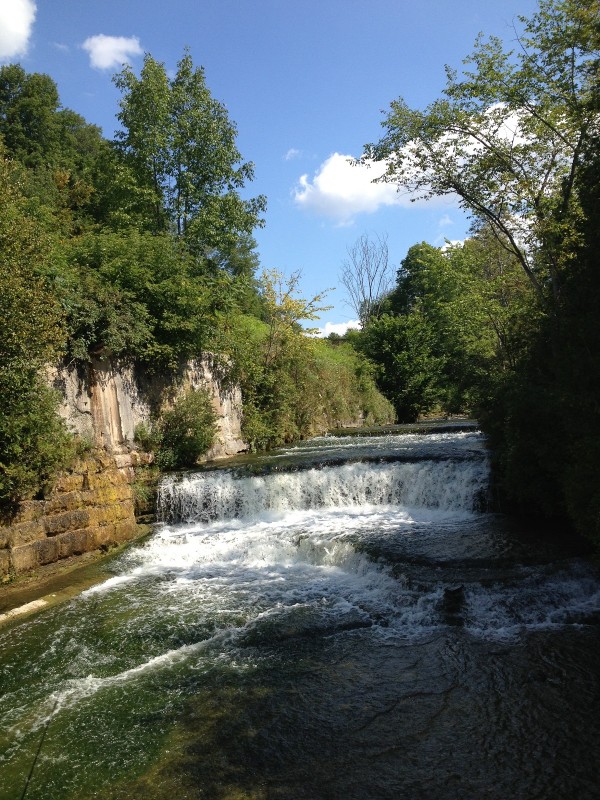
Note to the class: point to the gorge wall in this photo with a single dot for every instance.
(92, 506)
(104, 401)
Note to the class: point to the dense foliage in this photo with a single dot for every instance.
(506, 324)
(140, 249)
(32, 439)
(295, 386)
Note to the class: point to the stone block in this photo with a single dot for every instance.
(29, 510)
(128, 473)
(102, 480)
(68, 483)
(66, 501)
(74, 543)
(25, 532)
(103, 536)
(4, 563)
(24, 558)
(124, 531)
(108, 515)
(124, 460)
(112, 494)
(47, 550)
(68, 520)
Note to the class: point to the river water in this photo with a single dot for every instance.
(342, 620)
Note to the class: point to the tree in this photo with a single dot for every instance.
(33, 440)
(508, 137)
(366, 275)
(28, 107)
(284, 310)
(408, 369)
(144, 139)
(181, 146)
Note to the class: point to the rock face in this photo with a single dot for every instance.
(90, 508)
(105, 401)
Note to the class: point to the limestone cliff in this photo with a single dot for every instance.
(104, 401)
(92, 506)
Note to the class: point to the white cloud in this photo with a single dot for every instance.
(292, 153)
(16, 23)
(341, 190)
(451, 243)
(337, 327)
(107, 52)
(444, 221)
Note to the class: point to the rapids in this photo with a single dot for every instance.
(340, 619)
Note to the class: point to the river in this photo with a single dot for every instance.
(340, 620)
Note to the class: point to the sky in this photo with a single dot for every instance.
(307, 83)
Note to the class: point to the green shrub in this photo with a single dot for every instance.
(34, 442)
(187, 430)
(148, 437)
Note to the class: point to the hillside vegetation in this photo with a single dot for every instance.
(140, 249)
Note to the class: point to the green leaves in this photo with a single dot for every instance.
(33, 440)
(507, 137)
(187, 430)
(181, 145)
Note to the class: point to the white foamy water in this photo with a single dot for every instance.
(446, 485)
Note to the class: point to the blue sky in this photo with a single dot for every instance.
(305, 82)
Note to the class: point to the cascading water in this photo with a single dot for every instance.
(446, 485)
(339, 620)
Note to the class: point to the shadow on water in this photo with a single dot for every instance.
(336, 718)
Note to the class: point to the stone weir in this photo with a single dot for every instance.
(89, 508)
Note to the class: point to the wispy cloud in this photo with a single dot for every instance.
(108, 52)
(291, 154)
(445, 221)
(16, 24)
(64, 48)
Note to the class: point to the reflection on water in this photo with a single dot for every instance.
(328, 630)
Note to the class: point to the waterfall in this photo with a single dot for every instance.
(220, 495)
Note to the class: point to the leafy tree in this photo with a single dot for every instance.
(144, 296)
(181, 146)
(508, 137)
(28, 122)
(33, 441)
(284, 310)
(272, 360)
(408, 370)
(144, 139)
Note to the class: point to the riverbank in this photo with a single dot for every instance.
(61, 580)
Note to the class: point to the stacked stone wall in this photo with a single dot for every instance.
(89, 508)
